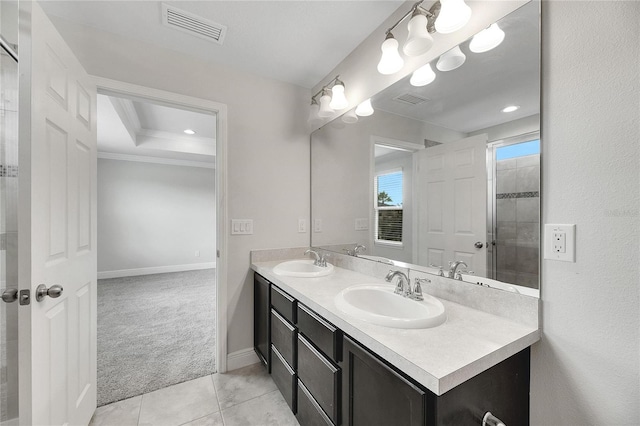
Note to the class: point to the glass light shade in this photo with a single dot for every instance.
(451, 60)
(338, 100)
(487, 39)
(350, 117)
(422, 76)
(454, 14)
(313, 112)
(325, 110)
(391, 61)
(419, 40)
(364, 109)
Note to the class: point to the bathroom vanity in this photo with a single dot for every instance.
(333, 369)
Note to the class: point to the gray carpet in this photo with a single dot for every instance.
(154, 331)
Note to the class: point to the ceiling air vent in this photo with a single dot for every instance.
(193, 24)
(410, 99)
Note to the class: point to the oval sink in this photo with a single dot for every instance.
(302, 269)
(378, 304)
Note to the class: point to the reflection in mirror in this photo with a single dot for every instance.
(445, 171)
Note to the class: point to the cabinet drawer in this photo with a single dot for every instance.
(284, 377)
(321, 377)
(309, 412)
(284, 304)
(283, 337)
(323, 334)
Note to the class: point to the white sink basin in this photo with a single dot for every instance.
(302, 269)
(378, 304)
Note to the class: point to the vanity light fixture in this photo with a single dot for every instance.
(332, 99)
(391, 62)
(419, 40)
(445, 16)
(451, 60)
(454, 14)
(487, 39)
(511, 108)
(350, 117)
(313, 111)
(325, 108)
(422, 76)
(338, 99)
(364, 109)
(189, 132)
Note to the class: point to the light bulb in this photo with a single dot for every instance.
(364, 109)
(511, 108)
(325, 110)
(189, 132)
(487, 39)
(350, 117)
(313, 111)
(451, 59)
(338, 100)
(422, 76)
(454, 14)
(419, 40)
(391, 61)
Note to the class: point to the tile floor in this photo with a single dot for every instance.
(247, 396)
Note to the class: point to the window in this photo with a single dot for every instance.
(388, 207)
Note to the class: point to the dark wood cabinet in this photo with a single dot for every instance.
(261, 319)
(374, 394)
(329, 379)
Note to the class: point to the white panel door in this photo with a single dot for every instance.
(452, 194)
(58, 172)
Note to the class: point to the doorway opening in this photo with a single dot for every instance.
(158, 196)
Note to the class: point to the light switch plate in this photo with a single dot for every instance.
(302, 225)
(362, 224)
(560, 242)
(317, 225)
(241, 226)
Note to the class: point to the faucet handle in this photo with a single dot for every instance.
(417, 289)
(440, 271)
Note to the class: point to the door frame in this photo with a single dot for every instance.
(220, 109)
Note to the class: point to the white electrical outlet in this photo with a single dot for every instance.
(197, 253)
(560, 242)
(317, 225)
(302, 225)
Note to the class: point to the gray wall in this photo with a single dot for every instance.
(154, 215)
(585, 371)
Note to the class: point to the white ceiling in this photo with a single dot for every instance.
(140, 128)
(298, 42)
(471, 97)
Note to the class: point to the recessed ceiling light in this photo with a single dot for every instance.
(511, 108)
(190, 132)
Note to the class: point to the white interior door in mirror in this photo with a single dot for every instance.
(452, 194)
(59, 381)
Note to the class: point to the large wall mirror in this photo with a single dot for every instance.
(443, 172)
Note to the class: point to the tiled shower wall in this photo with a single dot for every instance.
(518, 220)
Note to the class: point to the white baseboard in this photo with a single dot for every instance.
(241, 359)
(154, 270)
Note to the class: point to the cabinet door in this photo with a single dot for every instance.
(374, 394)
(261, 318)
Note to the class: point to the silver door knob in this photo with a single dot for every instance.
(53, 291)
(478, 245)
(10, 295)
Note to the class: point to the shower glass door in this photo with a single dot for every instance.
(8, 215)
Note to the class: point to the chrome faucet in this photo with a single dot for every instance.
(404, 286)
(453, 267)
(321, 259)
(417, 289)
(356, 250)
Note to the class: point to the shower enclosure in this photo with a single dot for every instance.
(8, 213)
(514, 210)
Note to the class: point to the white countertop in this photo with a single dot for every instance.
(439, 358)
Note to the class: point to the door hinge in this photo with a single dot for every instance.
(25, 297)
(218, 253)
